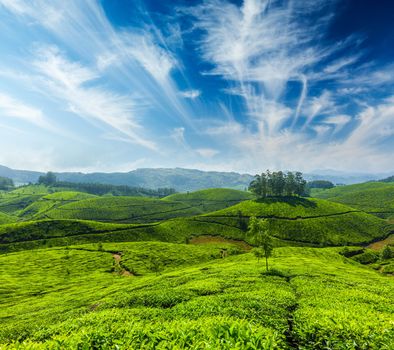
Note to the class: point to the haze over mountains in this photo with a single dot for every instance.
(177, 178)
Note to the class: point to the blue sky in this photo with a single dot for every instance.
(114, 85)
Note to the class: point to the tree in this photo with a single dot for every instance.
(261, 238)
(290, 184)
(258, 253)
(48, 179)
(255, 185)
(6, 183)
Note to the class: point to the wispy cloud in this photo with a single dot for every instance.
(14, 108)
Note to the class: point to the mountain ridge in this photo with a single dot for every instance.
(181, 179)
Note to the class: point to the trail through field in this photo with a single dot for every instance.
(119, 266)
(380, 244)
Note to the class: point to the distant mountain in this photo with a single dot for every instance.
(181, 179)
(19, 176)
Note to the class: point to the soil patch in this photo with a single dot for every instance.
(380, 244)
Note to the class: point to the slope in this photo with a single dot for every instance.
(304, 220)
(211, 199)
(122, 210)
(51, 201)
(373, 197)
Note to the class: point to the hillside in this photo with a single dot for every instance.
(211, 199)
(13, 201)
(304, 220)
(81, 297)
(121, 210)
(6, 219)
(51, 201)
(373, 197)
(291, 221)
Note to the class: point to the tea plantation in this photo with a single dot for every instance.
(80, 271)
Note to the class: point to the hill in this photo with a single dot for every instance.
(14, 201)
(51, 201)
(291, 221)
(81, 297)
(373, 197)
(121, 209)
(211, 199)
(178, 178)
(304, 220)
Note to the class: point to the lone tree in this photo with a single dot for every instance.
(261, 238)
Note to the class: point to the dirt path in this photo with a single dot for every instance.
(380, 244)
(119, 267)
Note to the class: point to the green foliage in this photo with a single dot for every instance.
(260, 237)
(115, 190)
(387, 252)
(48, 179)
(367, 257)
(278, 184)
(320, 184)
(6, 184)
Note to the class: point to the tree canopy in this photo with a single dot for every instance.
(48, 179)
(6, 183)
(320, 184)
(261, 238)
(278, 184)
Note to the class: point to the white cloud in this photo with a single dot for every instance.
(338, 121)
(191, 94)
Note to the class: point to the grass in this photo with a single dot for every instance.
(373, 197)
(312, 299)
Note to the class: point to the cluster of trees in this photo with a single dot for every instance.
(48, 179)
(6, 183)
(278, 184)
(320, 184)
(101, 189)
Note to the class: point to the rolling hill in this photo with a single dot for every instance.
(211, 199)
(291, 221)
(373, 197)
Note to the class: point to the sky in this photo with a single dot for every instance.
(227, 85)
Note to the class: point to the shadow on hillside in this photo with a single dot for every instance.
(293, 201)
